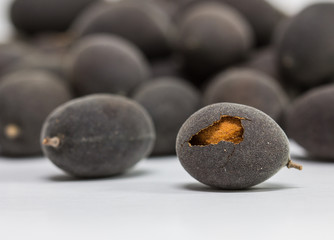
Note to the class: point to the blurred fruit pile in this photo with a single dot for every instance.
(172, 57)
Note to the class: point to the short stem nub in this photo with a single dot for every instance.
(12, 131)
(51, 142)
(291, 164)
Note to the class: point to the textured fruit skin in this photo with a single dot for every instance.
(26, 99)
(305, 51)
(107, 64)
(141, 22)
(262, 153)
(248, 87)
(100, 135)
(310, 121)
(35, 16)
(212, 36)
(169, 101)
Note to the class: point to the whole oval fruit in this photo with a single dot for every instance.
(310, 119)
(107, 64)
(142, 23)
(232, 146)
(169, 101)
(249, 87)
(26, 98)
(97, 136)
(305, 48)
(36, 16)
(212, 36)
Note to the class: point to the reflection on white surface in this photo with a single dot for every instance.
(159, 200)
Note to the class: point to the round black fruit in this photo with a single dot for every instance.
(248, 87)
(169, 101)
(26, 99)
(232, 146)
(141, 22)
(310, 121)
(305, 49)
(97, 136)
(212, 36)
(35, 16)
(107, 64)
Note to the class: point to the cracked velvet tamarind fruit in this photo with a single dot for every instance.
(98, 135)
(26, 99)
(309, 121)
(249, 87)
(212, 36)
(232, 146)
(305, 49)
(107, 64)
(141, 22)
(169, 101)
(36, 16)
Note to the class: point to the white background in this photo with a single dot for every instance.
(159, 200)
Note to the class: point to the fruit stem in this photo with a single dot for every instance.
(292, 164)
(51, 142)
(12, 131)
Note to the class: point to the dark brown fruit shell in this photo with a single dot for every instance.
(248, 87)
(262, 153)
(169, 101)
(212, 36)
(107, 64)
(99, 135)
(305, 50)
(310, 121)
(26, 99)
(261, 15)
(35, 16)
(141, 22)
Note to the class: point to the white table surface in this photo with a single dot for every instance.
(158, 200)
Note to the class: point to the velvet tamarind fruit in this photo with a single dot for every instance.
(232, 146)
(305, 48)
(26, 99)
(249, 87)
(169, 101)
(141, 22)
(107, 64)
(36, 16)
(261, 15)
(98, 135)
(212, 36)
(309, 121)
